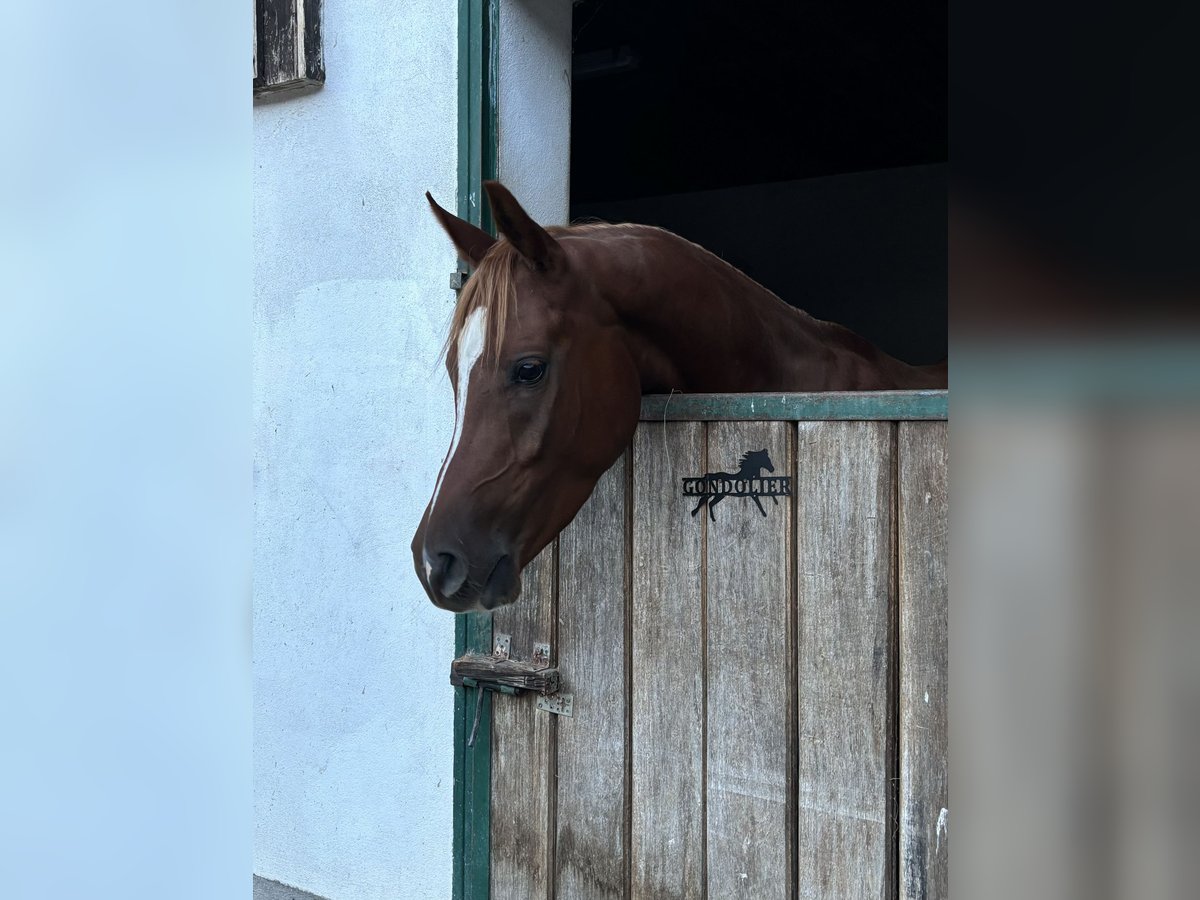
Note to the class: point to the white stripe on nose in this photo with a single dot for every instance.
(470, 347)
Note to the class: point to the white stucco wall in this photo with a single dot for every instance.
(534, 98)
(353, 756)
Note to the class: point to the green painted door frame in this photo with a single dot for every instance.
(477, 152)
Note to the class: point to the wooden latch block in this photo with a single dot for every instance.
(504, 675)
(500, 672)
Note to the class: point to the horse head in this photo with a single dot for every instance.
(547, 395)
(757, 460)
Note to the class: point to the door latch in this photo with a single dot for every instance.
(500, 673)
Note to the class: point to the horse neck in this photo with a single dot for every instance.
(695, 323)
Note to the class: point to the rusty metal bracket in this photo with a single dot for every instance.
(502, 646)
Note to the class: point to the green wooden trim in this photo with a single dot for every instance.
(472, 773)
(460, 763)
(831, 405)
(477, 154)
(476, 788)
(478, 63)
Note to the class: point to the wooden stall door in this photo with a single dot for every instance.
(759, 702)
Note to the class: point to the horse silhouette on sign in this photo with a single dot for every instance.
(747, 481)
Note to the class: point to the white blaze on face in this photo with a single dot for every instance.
(470, 348)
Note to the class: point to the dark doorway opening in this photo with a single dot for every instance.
(803, 142)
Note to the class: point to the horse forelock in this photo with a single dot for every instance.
(492, 287)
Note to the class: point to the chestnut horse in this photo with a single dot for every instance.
(555, 338)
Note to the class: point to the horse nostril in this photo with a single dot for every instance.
(449, 574)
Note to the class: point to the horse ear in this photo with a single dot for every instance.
(472, 243)
(533, 242)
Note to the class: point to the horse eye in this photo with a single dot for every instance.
(529, 371)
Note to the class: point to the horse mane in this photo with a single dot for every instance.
(749, 455)
(492, 286)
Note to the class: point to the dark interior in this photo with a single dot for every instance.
(804, 142)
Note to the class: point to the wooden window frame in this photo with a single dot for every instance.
(288, 53)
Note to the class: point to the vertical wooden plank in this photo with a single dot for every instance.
(749, 722)
(522, 750)
(591, 804)
(667, 666)
(924, 798)
(845, 659)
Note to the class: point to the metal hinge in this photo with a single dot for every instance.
(559, 704)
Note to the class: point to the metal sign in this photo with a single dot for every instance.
(747, 481)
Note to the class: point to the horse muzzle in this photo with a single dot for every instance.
(459, 584)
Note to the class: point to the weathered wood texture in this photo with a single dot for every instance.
(924, 800)
(844, 538)
(592, 817)
(515, 673)
(288, 52)
(522, 750)
(749, 602)
(759, 702)
(668, 666)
